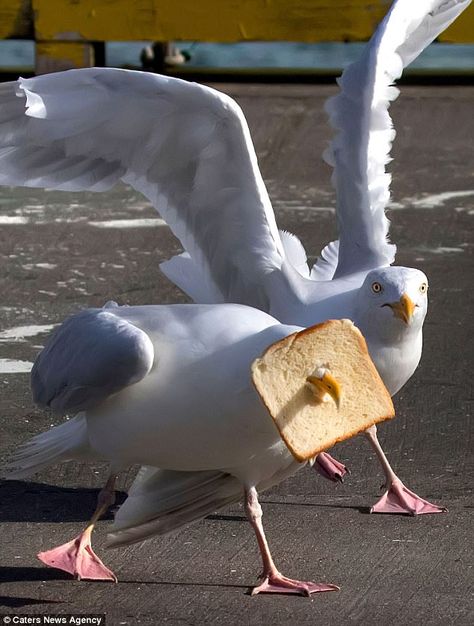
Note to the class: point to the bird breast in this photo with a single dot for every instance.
(396, 363)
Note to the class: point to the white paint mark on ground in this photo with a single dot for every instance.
(20, 333)
(438, 199)
(314, 209)
(42, 266)
(46, 266)
(463, 209)
(445, 250)
(47, 293)
(11, 366)
(32, 209)
(8, 220)
(292, 205)
(140, 206)
(138, 223)
(396, 205)
(65, 220)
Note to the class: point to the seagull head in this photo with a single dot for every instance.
(392, 302)
(323, 383)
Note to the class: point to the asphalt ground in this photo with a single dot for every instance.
(62, 252)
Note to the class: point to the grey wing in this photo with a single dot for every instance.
(91, 356)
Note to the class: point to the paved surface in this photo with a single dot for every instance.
(391, 569)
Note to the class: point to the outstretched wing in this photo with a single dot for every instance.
(91, 356)
(359, 112)
(186, 147)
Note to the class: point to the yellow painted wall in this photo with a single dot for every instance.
(15, 18)
(205, 20)
(220, 20)
(54, 56)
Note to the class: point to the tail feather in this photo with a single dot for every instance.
(295, 252)
(62, 443)
(161, 501)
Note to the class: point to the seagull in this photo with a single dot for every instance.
(167, 387)
(188, 149)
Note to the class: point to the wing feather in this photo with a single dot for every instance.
(91, 356)
(161, 501)
(186, 147)
(360, 150)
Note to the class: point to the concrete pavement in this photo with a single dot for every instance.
(61, 252)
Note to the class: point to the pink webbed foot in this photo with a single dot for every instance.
(277, 583)
(78, 559)
(330, 468)
(399, 499)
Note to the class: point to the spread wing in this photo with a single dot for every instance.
(186, 147)
(91, 356)
(359, 112)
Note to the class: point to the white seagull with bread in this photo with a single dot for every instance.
(174, 388)
(188, 149)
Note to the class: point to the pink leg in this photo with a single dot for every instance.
(330, 468)
(397, 498)
(77, 556)
(273, 581)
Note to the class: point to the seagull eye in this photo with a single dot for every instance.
(423, 287)
(376, 287)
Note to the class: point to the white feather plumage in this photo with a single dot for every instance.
(187, 148)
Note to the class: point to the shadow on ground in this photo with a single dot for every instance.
(24, 501)
(16, 602)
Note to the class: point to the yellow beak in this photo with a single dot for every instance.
(403, 309)
(326, 384)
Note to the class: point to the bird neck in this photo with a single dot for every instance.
(393, 332)
(286, 293)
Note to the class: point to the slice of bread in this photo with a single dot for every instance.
(308, 424)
